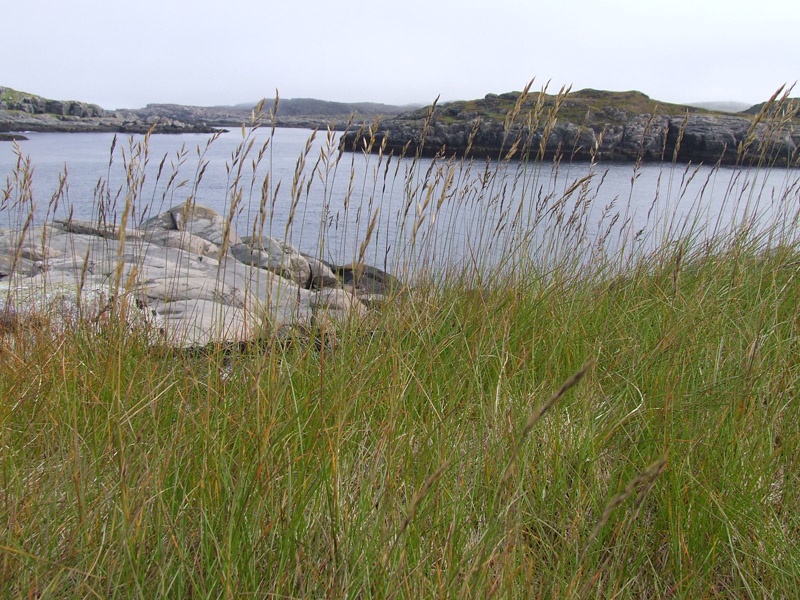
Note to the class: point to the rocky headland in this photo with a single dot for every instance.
(186, 276)
(21, 111)
(590, 124)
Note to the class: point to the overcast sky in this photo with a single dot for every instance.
(206, 52)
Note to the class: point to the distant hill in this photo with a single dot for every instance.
(292, 112)
(305, 107)
(792, 105)
(23, 111)
(721, 106)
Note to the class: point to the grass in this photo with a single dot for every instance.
(586, 426)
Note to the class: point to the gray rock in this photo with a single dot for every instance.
(198, 220)
(340, 301)
(274, 255)
(199, 323)
(172, 272)
(281, 301)
(34, 246)
(9, 264)
(322, 274)
(64, 306)
(104, 230)
(366, 280)
(593, 125)
(182, 240)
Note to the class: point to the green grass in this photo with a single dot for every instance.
(603, 106)
(404, 461)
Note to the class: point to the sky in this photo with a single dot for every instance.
(203, 52)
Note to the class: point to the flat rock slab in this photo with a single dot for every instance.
(190, 323)
(185, 274)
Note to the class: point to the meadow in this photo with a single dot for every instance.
(576, 419)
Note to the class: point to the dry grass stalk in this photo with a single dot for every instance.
(534, 418)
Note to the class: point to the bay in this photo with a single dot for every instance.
(395, 213)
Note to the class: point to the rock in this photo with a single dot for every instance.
(366, 280)
(322, 274)
(10, 264)
(197, 220)
(184, 278)
(373, 300)
(173, 278)
(61, 307)
(281, 301)
(33, 247)
(28, 112)
(84, 227)
(590, 125)
(182, 240)
(274, 255)
(336, 300)
(56, 107)
(198, 323)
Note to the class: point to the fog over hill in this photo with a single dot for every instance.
(722, 106)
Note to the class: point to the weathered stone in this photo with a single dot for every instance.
(363, 279)
(322, 275)
(190, 323)
(182, 240)
(33, 246)
(56, 107)
(198, 220)
(274, 255)
(61, 306)
(281, 301)
(337, 300)
(104, 230)
(10, 264)
(590, 125)
(178, 280)
(373, 300)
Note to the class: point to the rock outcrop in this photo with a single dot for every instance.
(184, 275)
(20, 111)
(585, 125)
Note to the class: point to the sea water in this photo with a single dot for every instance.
(296, 184)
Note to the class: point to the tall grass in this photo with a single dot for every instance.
(550, 408)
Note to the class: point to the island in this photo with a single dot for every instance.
(589, 125)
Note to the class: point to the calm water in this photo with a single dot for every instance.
(331, 206)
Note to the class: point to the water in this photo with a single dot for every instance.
(429, 212)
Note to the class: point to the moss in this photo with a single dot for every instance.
(10, 95)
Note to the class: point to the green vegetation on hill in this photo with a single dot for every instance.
(589, 125)
(603, 105)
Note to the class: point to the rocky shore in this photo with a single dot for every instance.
(607, 126)
(20, 111)
(185, 276)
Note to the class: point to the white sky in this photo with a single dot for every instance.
(204, 52)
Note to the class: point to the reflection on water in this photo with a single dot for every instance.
(428, 212)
